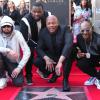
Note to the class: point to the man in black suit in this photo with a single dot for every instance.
(88, 45)
(30, 26)
(54, 46)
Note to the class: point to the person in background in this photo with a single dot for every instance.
(3, 5)
(77, 2)
(11, 60)
(13, 12)
(22, 8)
(1, 14)
(54, 47)
(30, 26)
(82, 12)
(27, 5)
(72, 12)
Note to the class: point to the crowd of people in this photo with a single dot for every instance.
(39, 31)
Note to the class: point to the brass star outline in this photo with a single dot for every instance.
(53, 92)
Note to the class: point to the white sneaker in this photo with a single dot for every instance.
(90, 81)
(97, 83)
(3, 83)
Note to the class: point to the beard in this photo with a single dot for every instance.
(38, 19)
(7, 32)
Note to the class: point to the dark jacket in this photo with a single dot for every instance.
(63, 43)
(94, 46)
(33, 27)
(15, 15)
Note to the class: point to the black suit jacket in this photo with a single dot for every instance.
(64, 41)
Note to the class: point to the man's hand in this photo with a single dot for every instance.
(13, 55)
(49, 63)
(58, 68)
(80, 54)
(15, 72)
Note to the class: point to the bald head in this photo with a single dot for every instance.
(86, 24)
(52, 17)
(52, 23)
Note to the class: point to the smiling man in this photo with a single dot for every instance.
(89, 53)
(30, 26)
(54, 47)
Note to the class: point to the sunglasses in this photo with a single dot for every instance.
(85, 30)
(8, 26)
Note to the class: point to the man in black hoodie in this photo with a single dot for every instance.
(30, 27)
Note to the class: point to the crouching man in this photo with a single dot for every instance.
(54, 46)
(11, 41)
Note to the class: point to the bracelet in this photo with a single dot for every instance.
(88, 55)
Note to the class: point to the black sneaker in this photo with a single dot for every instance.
(66, 87)
(29, 81)
(53, 79)
(42, 75)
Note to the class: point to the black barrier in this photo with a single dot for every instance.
(60, 8)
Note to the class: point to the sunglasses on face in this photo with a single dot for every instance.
(8, 26)
(85, 30)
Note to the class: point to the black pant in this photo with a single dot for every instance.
(88, 66)
(29, 64)
(68, 63)
(40, 63)
(7, 65)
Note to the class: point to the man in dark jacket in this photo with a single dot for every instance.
(30, 26)
(54, 46)
(88, 45)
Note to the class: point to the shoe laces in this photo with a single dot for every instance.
(91, 79)
(98, 81)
